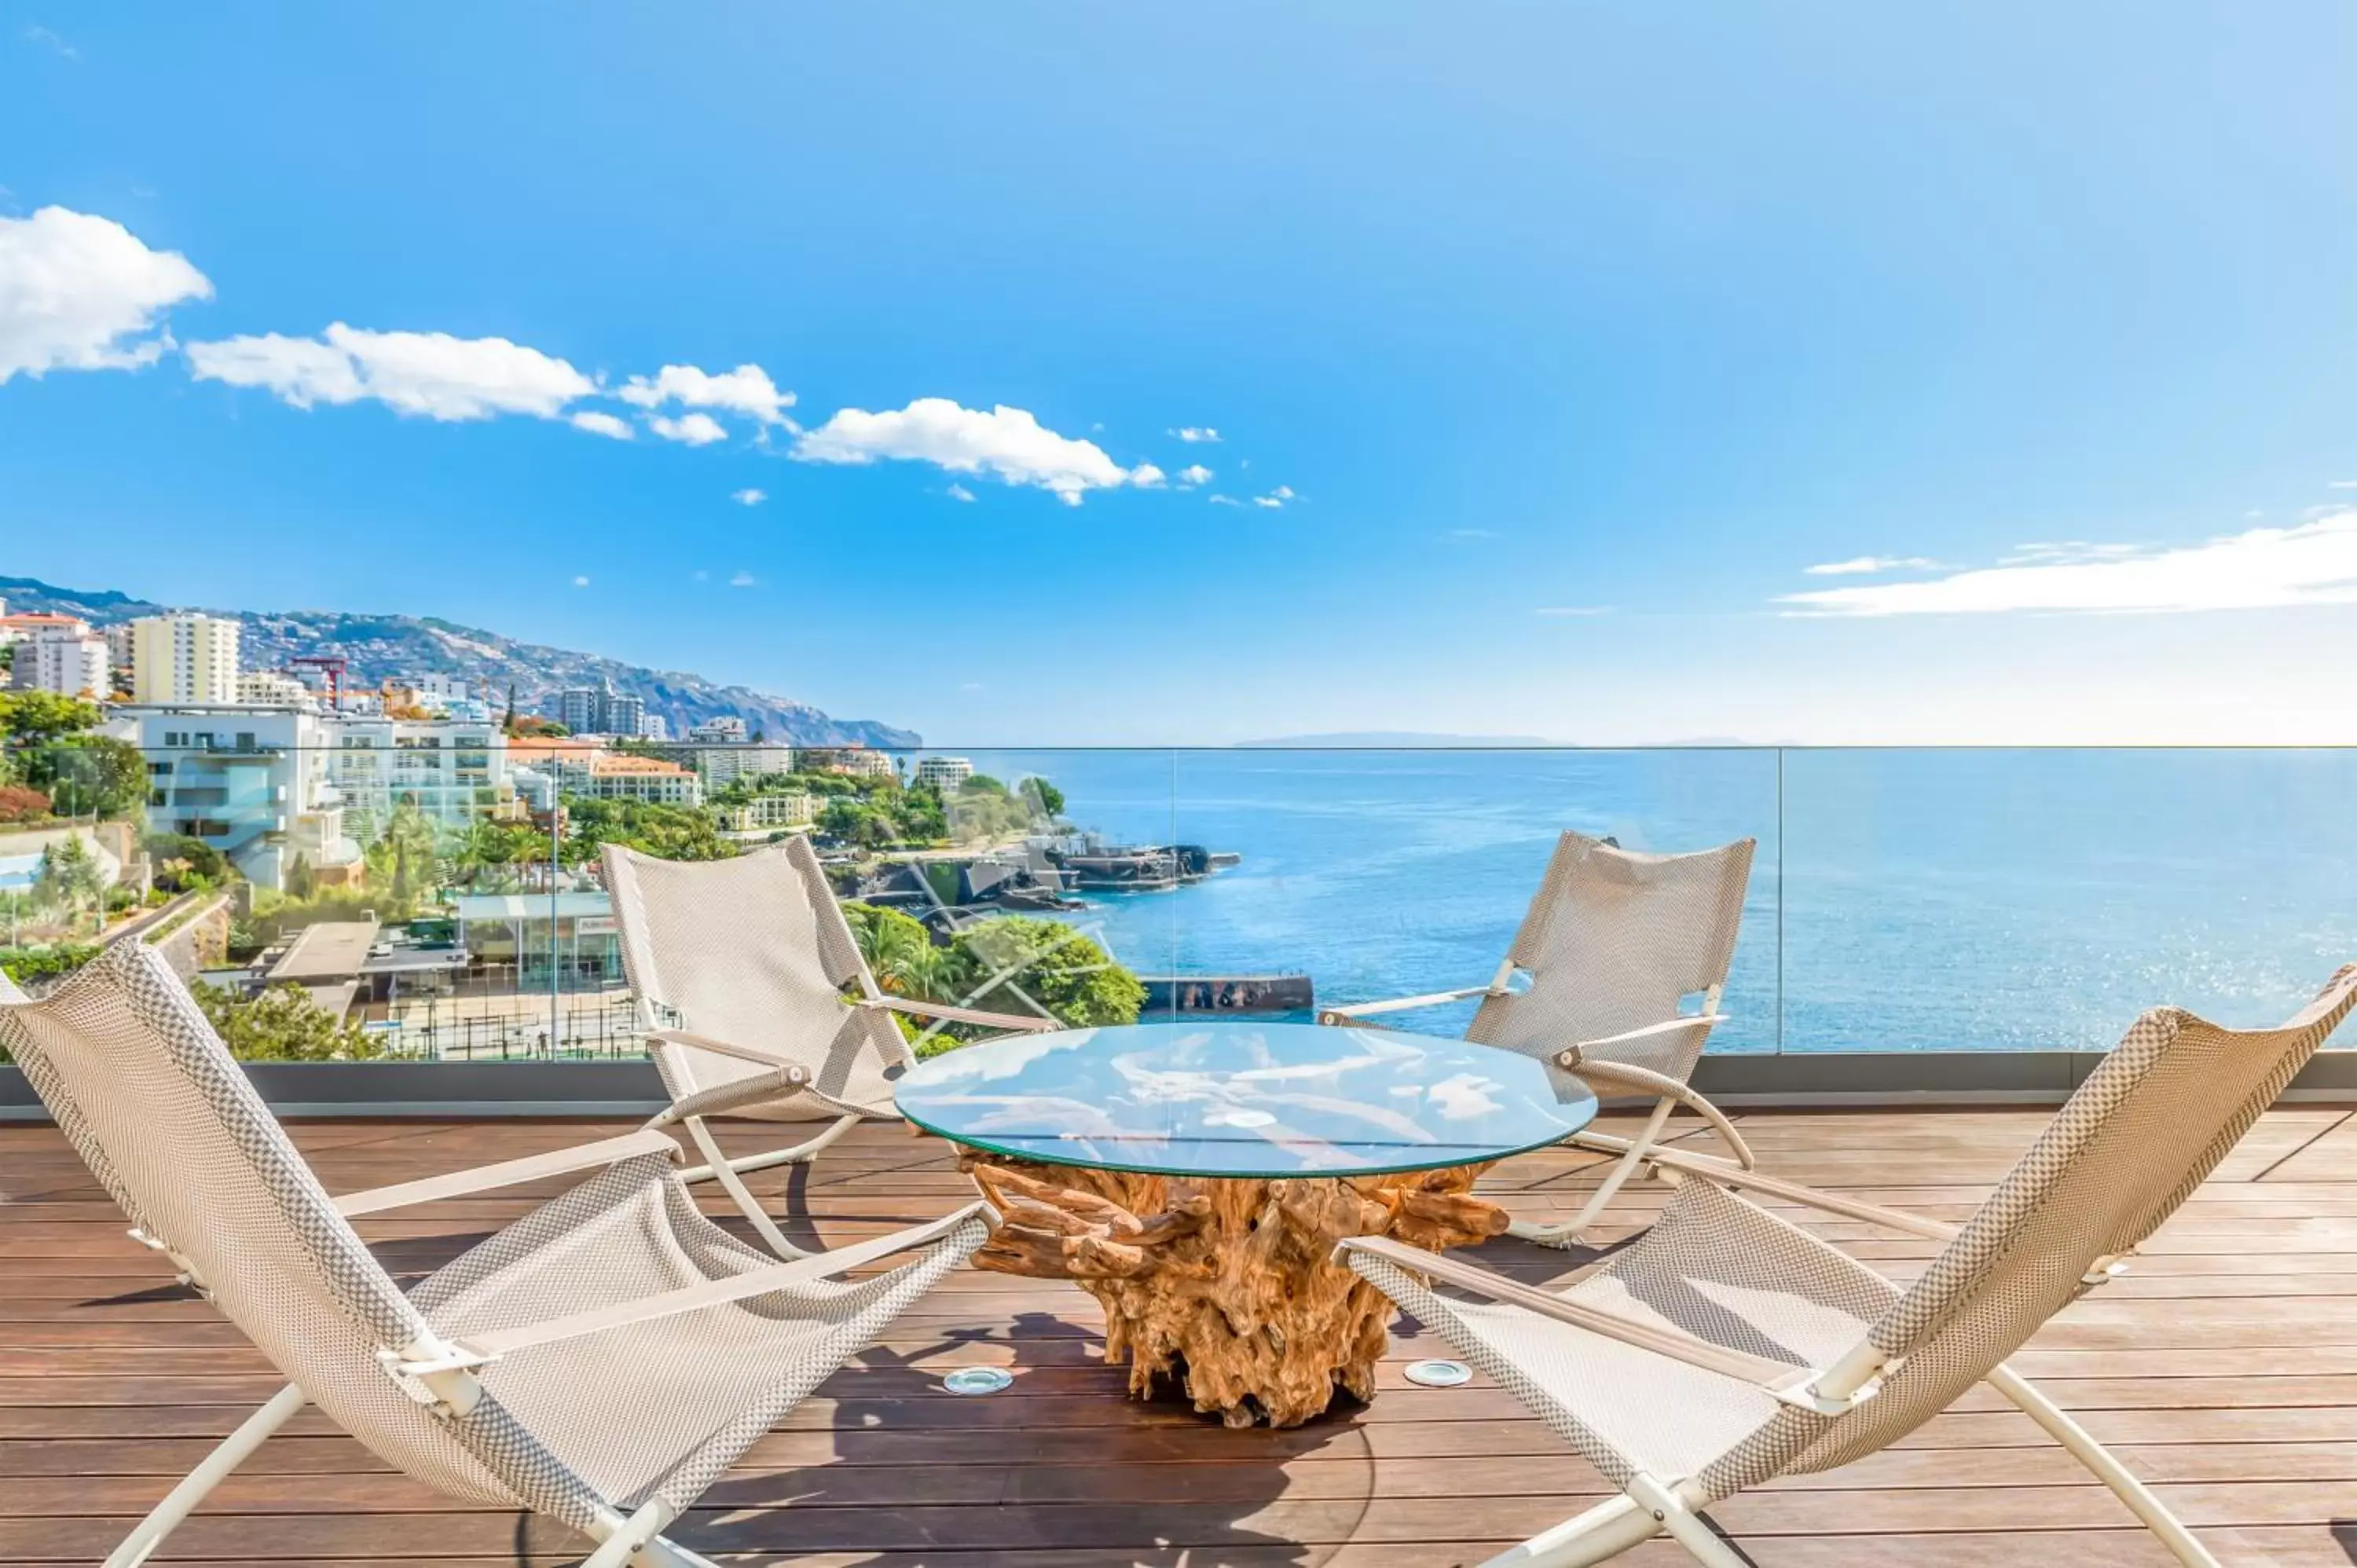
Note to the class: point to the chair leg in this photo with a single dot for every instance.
(1568, 1232)
(726, 1174)
(182, 1500)
(628, 1539)
(1603, 1532)
(1689, 1528)
(2105, 1466)
(799, 1153)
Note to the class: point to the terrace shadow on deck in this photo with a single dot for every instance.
(2223, 1368)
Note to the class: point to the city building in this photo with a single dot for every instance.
(273, 689)
(454, 770)
(943, 773)
(252, 783)
(859, 761)
(183, 658)
(69, 660)
(120, 650)
(654, 727)
(17, 627)
(617, 776)
(768, 813)
(727, 731)
(601, 710)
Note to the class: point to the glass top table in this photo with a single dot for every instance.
(1233, 1099)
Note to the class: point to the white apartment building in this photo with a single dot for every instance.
(625, 778)
(69, 660)
(455, 769)
(252, 783)
(719, 766)
(273, 689)
(729, 731)
(943, 773)
(766, 813)
(183, 658)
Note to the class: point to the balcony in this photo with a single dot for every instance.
(2217, 1368)
(1934, 947)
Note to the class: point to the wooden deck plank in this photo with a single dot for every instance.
(2224, 1368)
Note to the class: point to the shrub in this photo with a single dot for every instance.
(19, 804)
(282, 1024)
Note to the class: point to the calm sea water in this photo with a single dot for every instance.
(1901, 900)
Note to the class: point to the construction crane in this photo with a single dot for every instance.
(332, 665)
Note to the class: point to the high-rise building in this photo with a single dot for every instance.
(119, 654)
(184, 658)
(69, 659)
(601, 710)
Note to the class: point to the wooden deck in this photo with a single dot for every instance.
(2224, 1368)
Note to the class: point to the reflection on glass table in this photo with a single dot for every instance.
(1195, 1178)
(1244, 1100)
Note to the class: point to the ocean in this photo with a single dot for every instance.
(1970, 899)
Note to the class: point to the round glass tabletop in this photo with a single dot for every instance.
(1229, 1098)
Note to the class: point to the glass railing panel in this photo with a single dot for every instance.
(2040, 899)
(1374, 873)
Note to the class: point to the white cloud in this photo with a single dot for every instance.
(580, 582)
(429, 373)
(2314, 564)
(76, 289)
(1862, 565)
(1008, 443)
(960, 493)
(1269, 501)
(741, 580)
(1225, 500)
(48, 38)
(604, 425)
(1192, 474)
(746, 390)
(2342, 485)
(1191, 433)
(1283, 492)
(1146, 477)
(1561, 610)
(748, 497)
(696, 429)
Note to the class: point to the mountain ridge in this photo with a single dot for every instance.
(380, 647)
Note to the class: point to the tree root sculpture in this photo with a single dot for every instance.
(1227, 1284)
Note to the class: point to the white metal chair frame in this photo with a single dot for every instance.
(1651, 1505)
(1593, 1059)
(441, 1373)
(673, 1039)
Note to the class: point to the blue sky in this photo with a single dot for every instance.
(1565, 338)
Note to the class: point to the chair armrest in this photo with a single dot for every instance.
(1673, 1343)
(962, 1014)
(1664, 1087)
(1666, 1027)
(1350, 1012)
(507, 1173)
(1737, 1179)
(491, 1345)
(1785, 1381)
(718, 1046)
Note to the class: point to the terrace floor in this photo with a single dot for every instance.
(2224, 1368)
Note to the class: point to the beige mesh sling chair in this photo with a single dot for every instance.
(740, 968)
(1613, 945)
(601, 1361)
(1726, 1347)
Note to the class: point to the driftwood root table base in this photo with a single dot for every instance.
(1227, 1284)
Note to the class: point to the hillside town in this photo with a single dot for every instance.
(413, 867)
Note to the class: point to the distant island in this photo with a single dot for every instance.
(385, 647)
